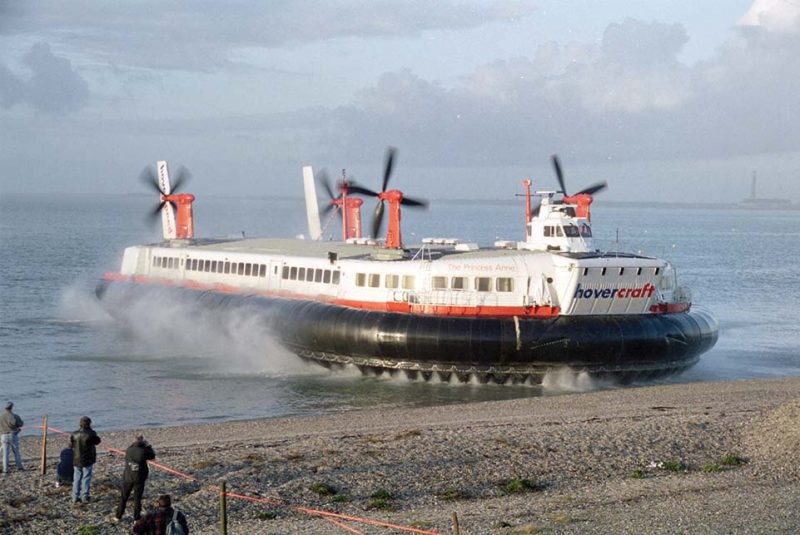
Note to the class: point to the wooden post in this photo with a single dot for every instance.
(43, 466)
(456, 529)
(223, 510)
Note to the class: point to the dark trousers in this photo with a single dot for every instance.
(137, 487)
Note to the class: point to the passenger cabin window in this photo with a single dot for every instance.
(374, 280)
(392, 281)
(309, 275)
(293, 274)
(361, 279)
(227, 267)
(458, 283)
(439, 283)
(262, 272)
(285, 272)
(326, 276)
(548, 231)
(301, 274)
(483, 284)
(559, 231)
(408, 282)
(504, 284)
(317, 275)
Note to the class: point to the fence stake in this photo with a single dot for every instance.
(456, 530)
(223, 510)
(44, 445)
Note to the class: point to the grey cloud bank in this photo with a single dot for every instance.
(86, 103)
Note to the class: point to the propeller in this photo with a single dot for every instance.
(591, 190)
(377, 217)
(150, 179)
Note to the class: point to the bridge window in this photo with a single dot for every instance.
(483, 284)
(361, 279)
(504, 284)
(571, 231)
(439, 283)
(586, 230)
(392, 281)
(559, 231)
(408, 282)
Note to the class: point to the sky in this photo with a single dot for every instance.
(667, 100)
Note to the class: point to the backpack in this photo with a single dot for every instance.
(174, 527)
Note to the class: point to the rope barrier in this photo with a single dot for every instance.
(337, 519)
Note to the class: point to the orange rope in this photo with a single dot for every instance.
(334, 518)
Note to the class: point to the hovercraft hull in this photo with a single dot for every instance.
(504, 349)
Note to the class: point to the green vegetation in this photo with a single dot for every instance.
(710, 468)
(88, 530)
(517, 485)
(266, 515)
(673, 466)
(733, 460)
(451, 494)
(381, 499)
(636, 474)
(341, 498)
(323, 489)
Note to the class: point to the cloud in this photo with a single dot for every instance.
(774, 15)
(627, 98)
(53, 86)
(201, 35)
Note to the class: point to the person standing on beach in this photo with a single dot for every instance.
(10, 425)
(84, 455)
(157, 522)
(134, 476)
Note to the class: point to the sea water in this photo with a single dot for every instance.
(61, 355)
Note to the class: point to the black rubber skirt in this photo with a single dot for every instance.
(503, 349)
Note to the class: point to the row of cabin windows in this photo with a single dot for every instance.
(246, 269)
(570, 231)
(621, 271)
(325, 276)
(481, 284)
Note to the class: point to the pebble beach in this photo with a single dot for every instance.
(689, 458)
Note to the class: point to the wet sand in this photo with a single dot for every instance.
(692, 458)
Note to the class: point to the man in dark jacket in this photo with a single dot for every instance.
(156, 523)
(84, 455)
(134, 476)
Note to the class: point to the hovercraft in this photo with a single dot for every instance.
(444, 308)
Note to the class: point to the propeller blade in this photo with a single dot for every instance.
(322, 179)
(352, 188)
(181, 177)
(559, 174)
(377, 220)
(408, 201)
(387, 170)
(327, 208)
(594, 188)
(149, 178)
(154, 214)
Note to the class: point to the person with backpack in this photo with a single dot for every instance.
(134, 476)
(64, 470)
(84, 455)
(163, 521)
